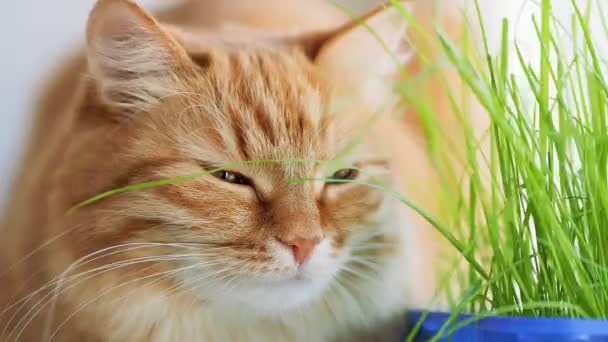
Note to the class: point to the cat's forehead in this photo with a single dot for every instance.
(260, 103)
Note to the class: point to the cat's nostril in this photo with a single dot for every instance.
(301, 247)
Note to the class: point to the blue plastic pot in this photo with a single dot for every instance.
(511, 329)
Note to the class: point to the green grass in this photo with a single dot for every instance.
(538, 225)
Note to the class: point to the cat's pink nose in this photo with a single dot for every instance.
(302, 247)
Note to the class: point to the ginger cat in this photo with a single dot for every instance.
(241, 254)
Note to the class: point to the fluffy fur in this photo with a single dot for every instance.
(202, 260)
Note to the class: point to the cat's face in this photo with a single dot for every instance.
(267, 232)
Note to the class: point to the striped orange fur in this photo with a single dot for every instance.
(206, 259)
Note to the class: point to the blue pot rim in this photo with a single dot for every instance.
(503, 326)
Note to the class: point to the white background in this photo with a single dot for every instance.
(36, 34)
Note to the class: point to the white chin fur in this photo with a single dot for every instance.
(274, 292)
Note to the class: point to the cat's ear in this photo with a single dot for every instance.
(365, 53)
(130, 57)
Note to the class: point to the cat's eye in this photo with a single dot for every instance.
(232, 177)
(343, 175)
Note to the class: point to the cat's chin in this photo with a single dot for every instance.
(280, 292)
(279, 297)
(266, 298)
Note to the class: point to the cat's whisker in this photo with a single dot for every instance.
(160, 261)
(212, 275)
(132, 246)
(348, 297)
(33, 311)
(201, 264)
(100, 270)
(83, 306)
(370, 263)
(51, 316)
(46, 243)
(164, 259)
(220, 271)
(360, 275)
(167, 275)
(51, 300)
(80, 262)
(367, 237)
(214, 245)
(185, 285)
(231, 282)
(234, 276)
(60, 277)
(372, 246)
(380, 244)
